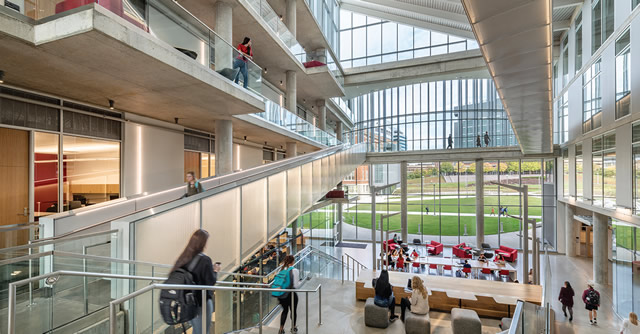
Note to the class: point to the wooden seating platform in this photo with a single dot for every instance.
(493, 299)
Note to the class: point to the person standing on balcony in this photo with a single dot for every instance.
(241, 61)
(478, 142)
(486, 138)
(450, 142)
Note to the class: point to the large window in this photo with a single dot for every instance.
(636, 167)
(327, 14)
(565, 60)
(579, 173)
(366, 40)
(562, 125)
(578, 43)
(623, 75)
(604, 170)
(424, 116)
(626, 267)
(592, 98)
(565, 173)
(602, 16)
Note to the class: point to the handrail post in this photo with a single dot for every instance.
(353, 271)
(342, 268)
(306, 313)
(293, 308)
(113, 324)
(12, 309)
(260, 312)
(204, 311)
(320, 304)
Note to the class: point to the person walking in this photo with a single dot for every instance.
(493, 211)
(478, 142)
(486, 138)
(384, 294)
(450, 142)
(285, 302)
(204, 273)
(591, 299)
(241, 61)
(426, 208)
(193, 185)
(566, 298)
(630, 325)
(419, 302)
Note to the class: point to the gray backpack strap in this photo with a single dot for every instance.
(194, 262)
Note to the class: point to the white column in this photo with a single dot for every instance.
(292, 92)
(479, 202)
(600, 248)
(292, 149)
(224, 28)
(290, 16)
(572, 236)
(322, 115)
(224, 147)
(339, 130)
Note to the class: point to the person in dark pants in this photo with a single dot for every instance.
(241, 61)
(450, 142)
(286, 302)
(419, 302)
(486, 138)
(566, 298)
(591, 299)
(478, 141)
(384, 294)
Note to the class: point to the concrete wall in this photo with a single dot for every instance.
(153, 158)
(245, 157)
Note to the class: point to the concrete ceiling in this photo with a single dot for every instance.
(515, 38)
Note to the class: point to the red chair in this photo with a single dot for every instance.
(467, 271)
(447, 267)
(400, 263)
(487, 271)
(462, 251)
(434, 266)
(503, 273)
(508, 253)
(435, 248)
(416, 265)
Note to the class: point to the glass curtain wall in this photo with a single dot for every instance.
(366, 40)
(636, 167)
(578, 43)
(427, 116)
(602, 16)
(562, 117)
(565, 60)
(592, 98)
(623, 75)
(626, 269)
(327, 14)
(441, 201)
(565, 173)
(579, 173)
(604, 170)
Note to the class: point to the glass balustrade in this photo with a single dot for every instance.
(174, 25)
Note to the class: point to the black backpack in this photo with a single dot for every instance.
(593, 298)
(179, 306)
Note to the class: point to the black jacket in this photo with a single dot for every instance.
(203, 274)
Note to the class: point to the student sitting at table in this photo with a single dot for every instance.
(466, 265)
(400, 262)
(419, 302)
(482, 258)
(415, 255)
(499, 259)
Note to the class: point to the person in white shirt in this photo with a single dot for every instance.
(630, 325)
(419, 303)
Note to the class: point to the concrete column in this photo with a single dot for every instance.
(600, 248)
(290, 16)
(572, 236)
(292, 149)
(404, 227)
(224, 28)
(224, 147)
(479, 202)
(340, 221)
(339, 130)
(292, 92)
(322, 115)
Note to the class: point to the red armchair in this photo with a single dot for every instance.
(434, 248)
(509, 254)
(392, 245)
(461, 251)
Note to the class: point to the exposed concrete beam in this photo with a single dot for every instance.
(465, 154)
(566, 3)
(352, 6)
(561, 25)
(424, 10)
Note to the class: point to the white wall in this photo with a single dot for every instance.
(153, 159)
(245, 157)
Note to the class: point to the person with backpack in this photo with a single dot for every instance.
(287, 278)
(384, 294)
(193, 185)
(192, 268)
(566, 298)
(591, 299)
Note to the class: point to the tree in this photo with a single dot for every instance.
(513, 167)
(502, 167)
(446, 168)
(472, 168)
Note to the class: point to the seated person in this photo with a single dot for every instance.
(499, 259)
(419, 302)
(482, 258)
(384, 294)
(400, 262)
(466, 265)
(415, 255)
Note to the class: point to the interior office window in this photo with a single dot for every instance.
(565, 60)
(91, 171)
(578, 42)
(623, 75)
(604, 170)
(592, 98)
(579, 173)
(565, 173)
(45, 173)
(636, 167)
(602, 17)
(563, 118)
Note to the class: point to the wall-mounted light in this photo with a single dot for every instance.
(1, 77)
(112, 105)
(265, 70)
(280, 82)
(245, 140)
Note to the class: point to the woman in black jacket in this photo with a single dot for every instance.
(384, 294)
(204, 273)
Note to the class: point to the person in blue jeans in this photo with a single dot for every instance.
(384, 294)
(241, 61)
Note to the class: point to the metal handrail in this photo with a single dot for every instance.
(14, 286)
(237, 179)
(39, 243)
(353, 267)
(113, 326)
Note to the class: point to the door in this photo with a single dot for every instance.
(14, 178)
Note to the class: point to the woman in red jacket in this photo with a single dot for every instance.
(566, 298)
(591, 299)
(241, 61)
